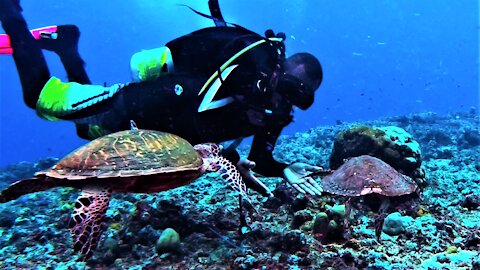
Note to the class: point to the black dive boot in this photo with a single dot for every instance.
(64, 42)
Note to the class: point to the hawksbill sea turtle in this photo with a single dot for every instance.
(131, 161)
(369, 178)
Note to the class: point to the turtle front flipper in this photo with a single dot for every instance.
(214, 162)
(31, 185)
(87, 219)
(229, 173)
(380, 217)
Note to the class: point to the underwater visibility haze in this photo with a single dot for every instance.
(381, 58)
(400, 83)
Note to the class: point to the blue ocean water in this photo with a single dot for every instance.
(380, 58)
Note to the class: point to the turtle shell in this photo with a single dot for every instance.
(127, 154)
(366, 175)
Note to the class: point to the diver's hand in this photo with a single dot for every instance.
(244, 166)
(297, 175)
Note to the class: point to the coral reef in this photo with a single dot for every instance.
(291, 231)
(169, 241)
(391, 144)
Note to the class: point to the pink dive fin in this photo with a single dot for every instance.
(44, 32)
(5, 44)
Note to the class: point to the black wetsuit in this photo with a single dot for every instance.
(257, 110)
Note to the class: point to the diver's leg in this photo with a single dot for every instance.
(65, 45)
(31, 65)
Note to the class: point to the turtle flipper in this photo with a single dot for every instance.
(229, 173)
(27, 186)
(380, 217)
(214, 162)
(87, 219)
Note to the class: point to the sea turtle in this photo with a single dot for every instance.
(368, 178)
(131, 161)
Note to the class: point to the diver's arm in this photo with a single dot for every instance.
(261, 153)
(296, 174)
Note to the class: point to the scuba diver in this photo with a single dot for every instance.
(213, 85)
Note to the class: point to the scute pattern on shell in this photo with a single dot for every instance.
(365, 175)
(128, 153)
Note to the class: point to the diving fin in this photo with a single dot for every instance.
(58, 99)
(5, 47)
(49, 32)
(149, 65)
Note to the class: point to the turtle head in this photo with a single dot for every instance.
(209, 152)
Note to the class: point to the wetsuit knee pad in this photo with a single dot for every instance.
(149, 65)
